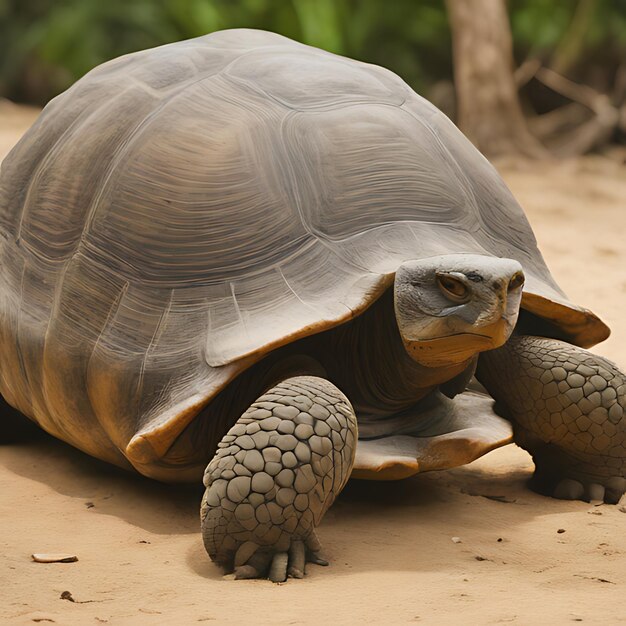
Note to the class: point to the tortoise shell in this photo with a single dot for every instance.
(182, 211)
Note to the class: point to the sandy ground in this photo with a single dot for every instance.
(522, 559)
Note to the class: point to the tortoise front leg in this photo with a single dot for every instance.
(276, 472)
(567, 406)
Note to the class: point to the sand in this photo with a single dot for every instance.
(522, 558)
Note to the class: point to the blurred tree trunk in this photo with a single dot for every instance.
(489, 112)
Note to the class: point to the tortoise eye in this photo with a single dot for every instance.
(516, 282)
(452, 287)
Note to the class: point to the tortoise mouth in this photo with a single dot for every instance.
(459, 347)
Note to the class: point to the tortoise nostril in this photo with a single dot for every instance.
(516, 281)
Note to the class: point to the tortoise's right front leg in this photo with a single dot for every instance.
(275, 474)
(568, 408)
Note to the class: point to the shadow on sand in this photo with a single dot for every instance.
(409, 510)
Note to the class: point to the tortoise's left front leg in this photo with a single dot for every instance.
(568, 410)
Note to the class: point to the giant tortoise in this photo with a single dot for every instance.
(244, 244)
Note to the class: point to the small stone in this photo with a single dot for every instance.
(560, 531)
(53, 558)
(456, 540)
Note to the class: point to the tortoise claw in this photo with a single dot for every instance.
(595, 492)
(279, 566)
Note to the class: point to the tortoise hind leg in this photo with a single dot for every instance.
(567, 407)
(275, 474)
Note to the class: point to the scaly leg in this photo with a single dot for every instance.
(567, 406)
(275, 474)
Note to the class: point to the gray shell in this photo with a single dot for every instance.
(179, 212)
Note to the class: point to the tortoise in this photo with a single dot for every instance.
(206, 245)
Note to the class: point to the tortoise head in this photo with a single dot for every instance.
(449, 308)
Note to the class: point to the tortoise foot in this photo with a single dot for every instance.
(609, 491)
(568, 408)
(278, 565)
(276, 472)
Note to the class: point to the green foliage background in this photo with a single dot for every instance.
(45, 45)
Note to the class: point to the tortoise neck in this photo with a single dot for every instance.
(366, 358)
